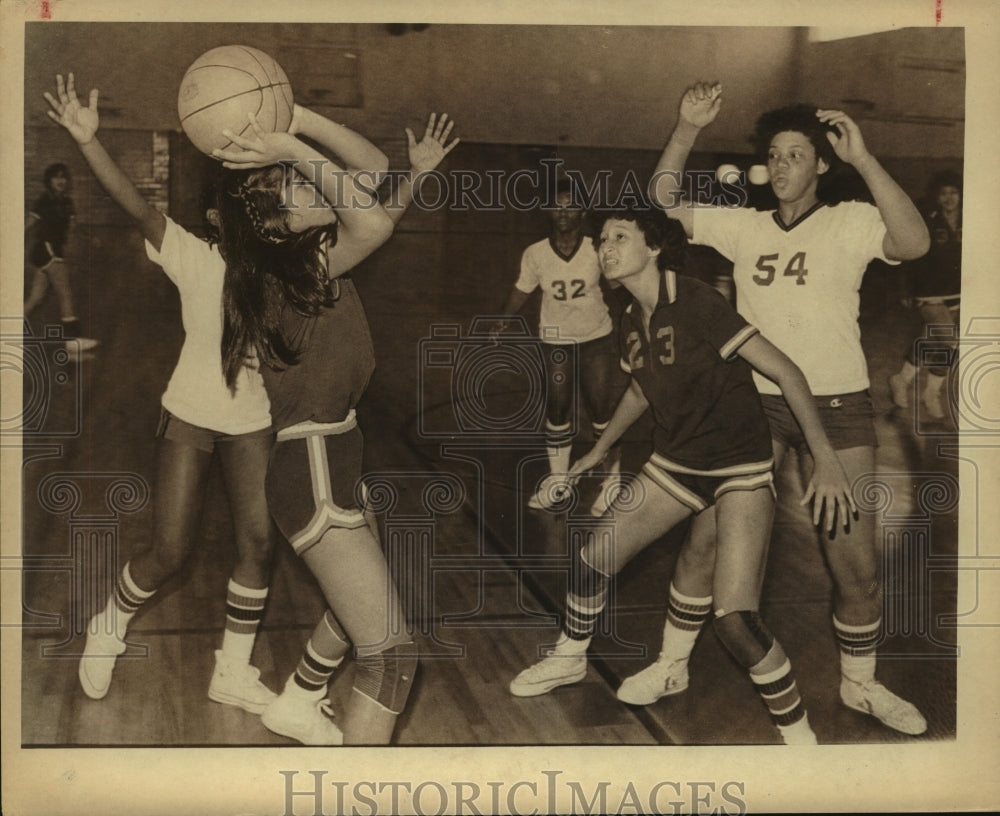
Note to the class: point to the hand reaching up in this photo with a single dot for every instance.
(81, 122)
(427, 154)
(701, 103)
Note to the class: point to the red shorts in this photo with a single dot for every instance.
(314, 479)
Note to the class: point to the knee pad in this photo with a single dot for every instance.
(745, 636)
(387, 676)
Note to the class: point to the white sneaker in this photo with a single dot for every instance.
(610, 488)
(901, 391)
(873, 698)
(238, 684)
(660, 679)
(294, 714)
(99, 657)
(552, 671)
(553, 491)
(798, 733)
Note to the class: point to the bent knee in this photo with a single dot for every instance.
(745, 635)
(387, 676)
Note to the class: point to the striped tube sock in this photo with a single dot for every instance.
(585, 601)
(558, 445)
(323, 653)
(857, 649)
(685, 617)
(773, 679)
(244, 612)
(124, 603)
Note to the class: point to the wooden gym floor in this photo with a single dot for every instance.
(482, 576)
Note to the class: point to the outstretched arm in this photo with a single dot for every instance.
(906, 235)
(699, 106)
(358, 155)
(828, 486)
(425, 156)
(82, 123)
(630, 407)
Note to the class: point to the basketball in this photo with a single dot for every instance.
(223, 86)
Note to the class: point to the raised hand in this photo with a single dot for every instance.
(258, 149)
(848, 144)
(81, 122)
(427, 154)
(700, 104)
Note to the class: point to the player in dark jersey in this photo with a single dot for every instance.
(690, 356)
(290, 304)
(51, 217)
(935, 289)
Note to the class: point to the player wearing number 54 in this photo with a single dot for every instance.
(798, 271)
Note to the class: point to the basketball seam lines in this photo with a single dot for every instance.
(233, 96)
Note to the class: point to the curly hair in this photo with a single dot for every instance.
(800, 118)
(658, 231)
(268, 267)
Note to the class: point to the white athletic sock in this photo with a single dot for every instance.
(569, 646)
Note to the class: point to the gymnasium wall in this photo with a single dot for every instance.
(596, 97)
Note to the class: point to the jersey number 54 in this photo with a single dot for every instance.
(795, 268)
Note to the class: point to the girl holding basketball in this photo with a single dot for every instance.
(293, 225)
(201, 416)
(204, 413)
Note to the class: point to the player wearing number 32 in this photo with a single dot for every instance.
(797, 272)
(576, 333)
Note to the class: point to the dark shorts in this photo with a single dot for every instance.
(848, 419)
(313, 478)
(699, 490)
(194, 436)
(606, 345)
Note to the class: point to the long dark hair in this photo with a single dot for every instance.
(267, 267)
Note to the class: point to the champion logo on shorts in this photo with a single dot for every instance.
(837, 402)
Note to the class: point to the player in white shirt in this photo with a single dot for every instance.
(577, 333)
(797, 271)
(200, 417)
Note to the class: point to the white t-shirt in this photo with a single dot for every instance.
(573, 307)
(197, 392)
(799, 284)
